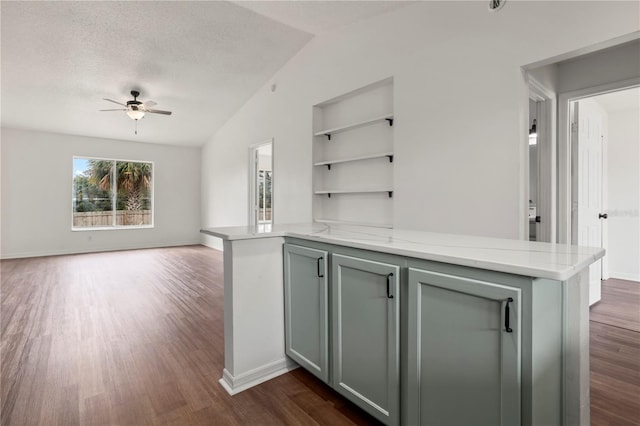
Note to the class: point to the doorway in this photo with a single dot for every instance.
(605, 148)
(261, 184)
(542, 217)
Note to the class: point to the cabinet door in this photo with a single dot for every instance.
(306, 310)
(365, 336)
(463, 362)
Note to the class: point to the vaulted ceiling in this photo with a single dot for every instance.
(202, 60)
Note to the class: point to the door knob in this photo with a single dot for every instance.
(602, 215)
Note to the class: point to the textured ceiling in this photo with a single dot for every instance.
(202, 60)
(318, 16)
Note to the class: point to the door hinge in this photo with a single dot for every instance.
(574, 127)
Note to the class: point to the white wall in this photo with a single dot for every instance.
(460, 105)
(36, 194)
(624, 194)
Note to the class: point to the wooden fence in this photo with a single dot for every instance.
(123, 218)
(264, 214)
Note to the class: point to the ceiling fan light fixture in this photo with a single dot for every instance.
(135, 114)
(136, 109)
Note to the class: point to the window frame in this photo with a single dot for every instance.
(114, 195)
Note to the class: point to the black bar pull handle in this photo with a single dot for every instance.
(506, 316)
(320, 272)
(389, 295)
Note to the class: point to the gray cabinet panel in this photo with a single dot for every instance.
(306, 308)
(365, 324)
(463, 366)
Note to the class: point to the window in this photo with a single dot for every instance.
(261, 183)
(112, 193)
(264, 196)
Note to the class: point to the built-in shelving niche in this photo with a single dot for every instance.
(353, 157)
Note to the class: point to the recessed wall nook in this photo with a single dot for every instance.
(353, 157)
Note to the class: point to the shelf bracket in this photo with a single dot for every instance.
(390, 194)
(390, 158)
(328, 135)
(390, 120)
(329, 194)
(328, 166)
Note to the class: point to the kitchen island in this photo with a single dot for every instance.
(414, 327)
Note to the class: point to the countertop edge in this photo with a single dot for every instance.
(230, 237)
(561, 273)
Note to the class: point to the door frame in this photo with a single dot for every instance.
(253, 150)
(565, 148)
(546, 206)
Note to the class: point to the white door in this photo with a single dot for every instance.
(587, 196)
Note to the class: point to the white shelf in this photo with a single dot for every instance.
(353, 175)
(348, 222)
(360, 158)
(329, 132)
(353, 191)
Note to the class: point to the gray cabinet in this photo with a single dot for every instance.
(464, 351)
(365, 334)
(306, 293)
(456, 360)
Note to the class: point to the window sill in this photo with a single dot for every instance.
(112, 228)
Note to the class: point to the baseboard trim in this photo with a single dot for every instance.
(212, 242)
(624, 276)
(236, 384)
(65, 252)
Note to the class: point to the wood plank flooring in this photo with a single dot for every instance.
(615, 355)
(136, 338)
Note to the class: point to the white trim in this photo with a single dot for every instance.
(236, 384)
(88, 250)
(547, 172)
(111, 228)
(584, 51)
(564, 148)
(624, 276)
(537, 91)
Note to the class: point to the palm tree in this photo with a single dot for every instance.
(132, 180)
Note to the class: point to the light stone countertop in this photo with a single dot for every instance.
(533, 259)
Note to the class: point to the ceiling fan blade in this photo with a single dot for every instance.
(157, 111)
(117, 109)
(115, 102)
(149, 104)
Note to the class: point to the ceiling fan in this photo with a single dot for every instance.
(136, 109)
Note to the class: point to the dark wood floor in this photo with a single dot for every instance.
(615, 355)
(136, 338)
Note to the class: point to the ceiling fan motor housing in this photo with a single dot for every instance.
(135, 102)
